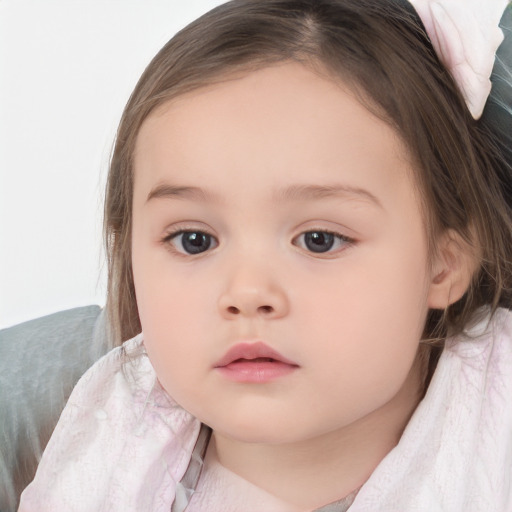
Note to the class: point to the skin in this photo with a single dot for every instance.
(350, 318)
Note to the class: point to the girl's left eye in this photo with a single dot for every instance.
(322, 241)
(191, 242)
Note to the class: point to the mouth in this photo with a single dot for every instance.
(254, 363)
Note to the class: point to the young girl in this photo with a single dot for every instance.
(309, 239)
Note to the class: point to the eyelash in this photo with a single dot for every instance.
(345, 241)
(168, 240)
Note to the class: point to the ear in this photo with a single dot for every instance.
(454, 265)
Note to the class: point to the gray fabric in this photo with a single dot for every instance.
(40, 362)
(497, 114)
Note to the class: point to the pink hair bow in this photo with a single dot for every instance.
(466, 35)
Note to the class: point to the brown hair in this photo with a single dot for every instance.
(380, 49)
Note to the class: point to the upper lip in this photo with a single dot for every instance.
(252, 351)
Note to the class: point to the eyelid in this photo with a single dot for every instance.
(333, 232)
(175, 231)
(348, 242)
(174, 234)
(186, 227)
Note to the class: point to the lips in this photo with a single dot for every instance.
(254, 362)
(251, 351)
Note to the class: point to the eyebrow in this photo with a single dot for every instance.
(317, 192)
(291, 193)
(168, 191)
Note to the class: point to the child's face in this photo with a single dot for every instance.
(259, 172)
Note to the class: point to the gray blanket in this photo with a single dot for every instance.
(40, 362)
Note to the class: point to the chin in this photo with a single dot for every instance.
(263, 430)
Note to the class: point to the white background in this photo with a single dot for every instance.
(67, 68)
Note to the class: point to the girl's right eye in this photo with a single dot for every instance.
(191, 242)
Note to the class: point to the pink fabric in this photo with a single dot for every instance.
(456, 453)
(122, 444)
(466, 35)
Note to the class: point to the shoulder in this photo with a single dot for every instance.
(484, 399)
(486, 345)
(477, 366)
(455, 453)
(120, 443)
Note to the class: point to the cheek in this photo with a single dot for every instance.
(175, 308)
(161, 301)
(174, 336)
(371, 288)
(165, 295)
(367, 321)
(168, 310)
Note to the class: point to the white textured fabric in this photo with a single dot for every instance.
(456, 453)
(466, 35)
(122, 443)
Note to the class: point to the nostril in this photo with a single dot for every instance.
(264, 310)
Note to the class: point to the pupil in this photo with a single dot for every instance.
(317, 241)
(196, 242)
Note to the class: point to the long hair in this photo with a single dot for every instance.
(380, 49)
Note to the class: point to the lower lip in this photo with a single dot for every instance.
(257, 372)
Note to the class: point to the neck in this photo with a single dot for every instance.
(314, 472)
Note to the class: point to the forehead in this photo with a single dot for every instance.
(270, 128)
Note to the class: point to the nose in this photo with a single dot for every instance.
(253, 293)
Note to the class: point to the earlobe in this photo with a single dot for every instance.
(455, 263)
